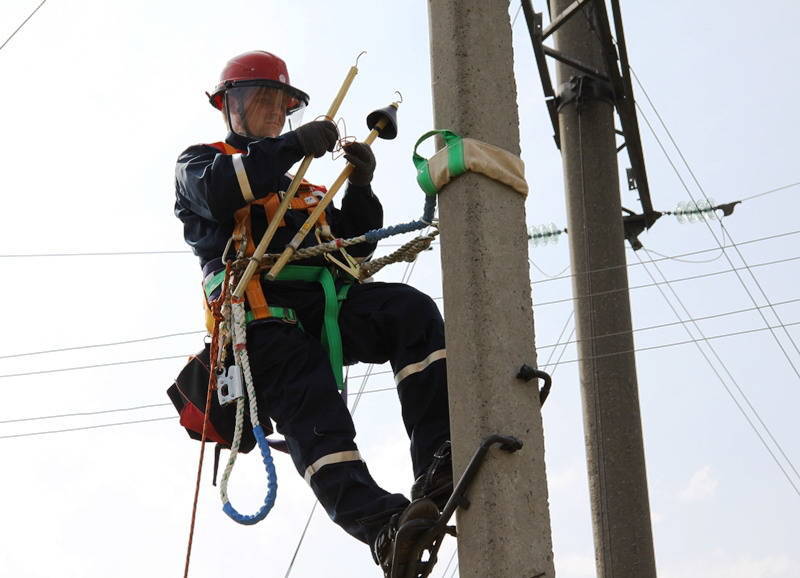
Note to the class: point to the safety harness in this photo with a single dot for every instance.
(306, 200)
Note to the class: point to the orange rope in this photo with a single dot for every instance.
(212, 378)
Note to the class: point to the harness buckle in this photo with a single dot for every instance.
(229, 385)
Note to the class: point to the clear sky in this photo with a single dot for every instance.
(99, 98)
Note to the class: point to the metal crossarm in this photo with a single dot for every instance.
(559, 20)
(616, 75)
(534, 21)
(623, 95)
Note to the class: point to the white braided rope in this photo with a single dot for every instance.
(237, 438)
(239, 327)
(240, 351)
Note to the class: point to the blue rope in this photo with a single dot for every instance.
(376, 235)
(272, 485)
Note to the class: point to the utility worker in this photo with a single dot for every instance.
(241, 179)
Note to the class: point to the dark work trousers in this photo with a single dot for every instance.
(379, 322)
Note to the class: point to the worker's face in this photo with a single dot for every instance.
(256, 111)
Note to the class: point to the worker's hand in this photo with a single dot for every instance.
(360, 155)
(317, 137)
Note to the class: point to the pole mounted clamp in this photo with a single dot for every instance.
(584, 88)
(527, 373)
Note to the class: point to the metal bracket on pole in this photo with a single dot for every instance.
(527, 373)
(635, 224)
(617, 75)
(424, 554)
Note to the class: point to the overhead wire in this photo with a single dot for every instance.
(536, 282)
(126, 253)
(107, 344)
(83, 413)
(672, 323)
(721, 245)
(714, 236)
(722, 248)
(679, 279)
(672, 257)
(92, 254)
(88, 427)
(113, 363)
(691, 261)
(770, 191)
(545, 273)
(549, 364)
(552, 346)
(730, 376)
(676, 343)
(24, 22)
(366, 392)
(92, 366)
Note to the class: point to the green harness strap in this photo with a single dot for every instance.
(455, 159)
(331, 337)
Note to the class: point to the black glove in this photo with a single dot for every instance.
(317, 137)
(360, 155)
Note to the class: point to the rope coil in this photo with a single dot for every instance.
(235, 315)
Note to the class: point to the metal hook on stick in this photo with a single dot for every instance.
(383, 123)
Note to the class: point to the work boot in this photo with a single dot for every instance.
(437, 482)
(394, 544)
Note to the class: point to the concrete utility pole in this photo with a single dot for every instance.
(487, 300)
(614, 447)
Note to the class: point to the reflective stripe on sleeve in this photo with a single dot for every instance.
(338, 457)
(413, 368)
(241, 176)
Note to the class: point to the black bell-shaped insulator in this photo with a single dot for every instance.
(389, 113)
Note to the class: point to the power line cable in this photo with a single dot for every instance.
(663, 257)
(108, 344)
(723, 228)
(113, 363)
(373, 373)
(689, 278)
(92, 254)
(450, 562)
(128, 253)
(24, 22)
(564, 300)
(514, 21)
(302, 537)
(771, 191)
(673, 257)
(55, 431)
(545, 273)
(711, 230)
(730, 376)
(691, 261)
(676, 343)
(552, 346)
(670, 324)
(367, 392)
(83, 413)
(76, 368)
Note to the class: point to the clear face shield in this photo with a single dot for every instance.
(260, 111)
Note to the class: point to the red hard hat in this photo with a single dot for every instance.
(257, 68)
